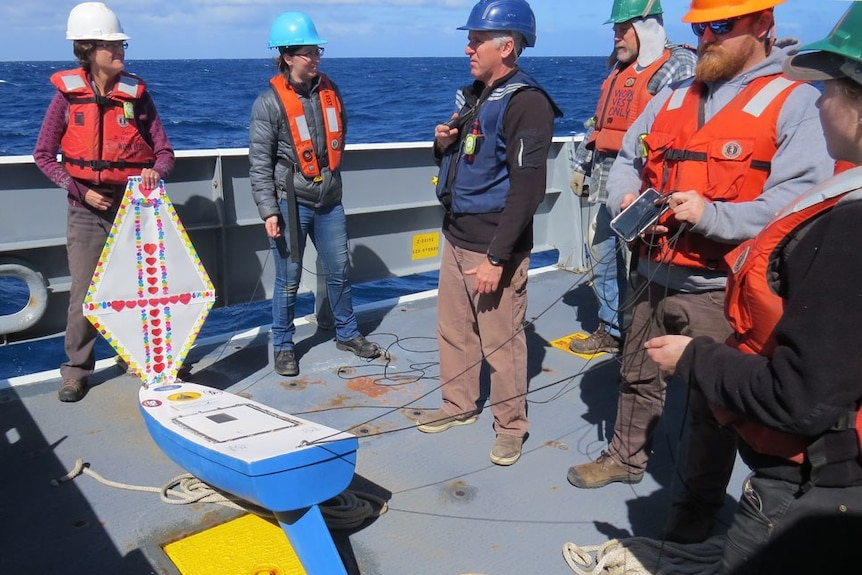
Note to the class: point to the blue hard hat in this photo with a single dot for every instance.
(503, 15)
(293, 29)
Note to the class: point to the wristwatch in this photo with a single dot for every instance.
(494, 260)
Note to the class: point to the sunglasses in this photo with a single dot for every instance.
(718, 27)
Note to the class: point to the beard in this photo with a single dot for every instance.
(718, 64)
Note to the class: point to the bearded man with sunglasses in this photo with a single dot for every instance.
(728, 149)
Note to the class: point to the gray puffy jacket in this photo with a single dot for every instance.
(272, 158)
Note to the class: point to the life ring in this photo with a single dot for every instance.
(37, 303)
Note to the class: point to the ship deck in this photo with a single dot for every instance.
(449, 509)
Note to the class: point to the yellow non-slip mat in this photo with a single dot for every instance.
(249, 545)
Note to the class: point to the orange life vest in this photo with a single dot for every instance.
(623, 97)
(726, 159)
(302, 144)
(753, 308)
(103, 142)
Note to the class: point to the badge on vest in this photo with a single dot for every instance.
(334, 144)
(731, 150)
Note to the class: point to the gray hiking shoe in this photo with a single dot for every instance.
(438, 420)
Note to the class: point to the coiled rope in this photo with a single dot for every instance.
(347, 510)
(644, 556)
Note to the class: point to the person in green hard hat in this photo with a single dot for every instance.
(643, 62)
(789, 382)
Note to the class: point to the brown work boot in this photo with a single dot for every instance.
(438, 420)
(600, 472)
(597, 342)
(72, 390)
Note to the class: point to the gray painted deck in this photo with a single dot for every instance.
(450, 510)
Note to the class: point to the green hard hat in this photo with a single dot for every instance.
(836, 56)
(625, 10)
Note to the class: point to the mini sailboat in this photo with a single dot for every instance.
(149, 298)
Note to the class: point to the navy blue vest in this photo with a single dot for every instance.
(480, 186)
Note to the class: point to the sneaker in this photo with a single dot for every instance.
(285, 363)
(360, 347)
(438, 420)
(507, 449)
(72, 390)
(600, 472)
(597, 342)
(689, 523)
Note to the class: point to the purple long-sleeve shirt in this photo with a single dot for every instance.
(54, 125)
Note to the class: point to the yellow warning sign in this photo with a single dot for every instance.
(249, 545)
(426, 246)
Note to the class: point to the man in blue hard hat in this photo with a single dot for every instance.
(492, 158)
(642, 63)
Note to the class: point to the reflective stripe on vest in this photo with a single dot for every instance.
(303, 146)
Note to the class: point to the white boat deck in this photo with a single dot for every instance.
(450, 510)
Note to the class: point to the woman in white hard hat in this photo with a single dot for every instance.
(105, 125)
(296, 141)
(789, 382)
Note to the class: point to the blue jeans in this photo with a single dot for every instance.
(327, 228)
(609, 271)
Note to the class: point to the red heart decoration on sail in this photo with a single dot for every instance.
(150, 248)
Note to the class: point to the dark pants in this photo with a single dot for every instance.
(86, 233)
(778, 529)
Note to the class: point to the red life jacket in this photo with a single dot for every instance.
(726, 159)
(753, 308)
(302, 144)
(623, 97)
(103, 142)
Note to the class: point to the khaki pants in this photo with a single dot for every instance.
(472, 327)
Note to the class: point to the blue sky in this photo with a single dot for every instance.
(160, 29)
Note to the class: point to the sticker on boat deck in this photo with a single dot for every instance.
(167, 387)
(151, 403)
(184, 396)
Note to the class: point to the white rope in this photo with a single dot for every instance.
(345, 511)
(644, 556)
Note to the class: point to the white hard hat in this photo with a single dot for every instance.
(93, 21)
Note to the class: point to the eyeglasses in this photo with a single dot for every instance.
(310, 54)
(112, 46)
(718, 27)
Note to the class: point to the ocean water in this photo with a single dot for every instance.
(206, 104)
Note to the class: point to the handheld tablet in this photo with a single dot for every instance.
(639, 215)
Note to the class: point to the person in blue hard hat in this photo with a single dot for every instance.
(788, 382)
(642, 63)
(296, 143)
(492, 156)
